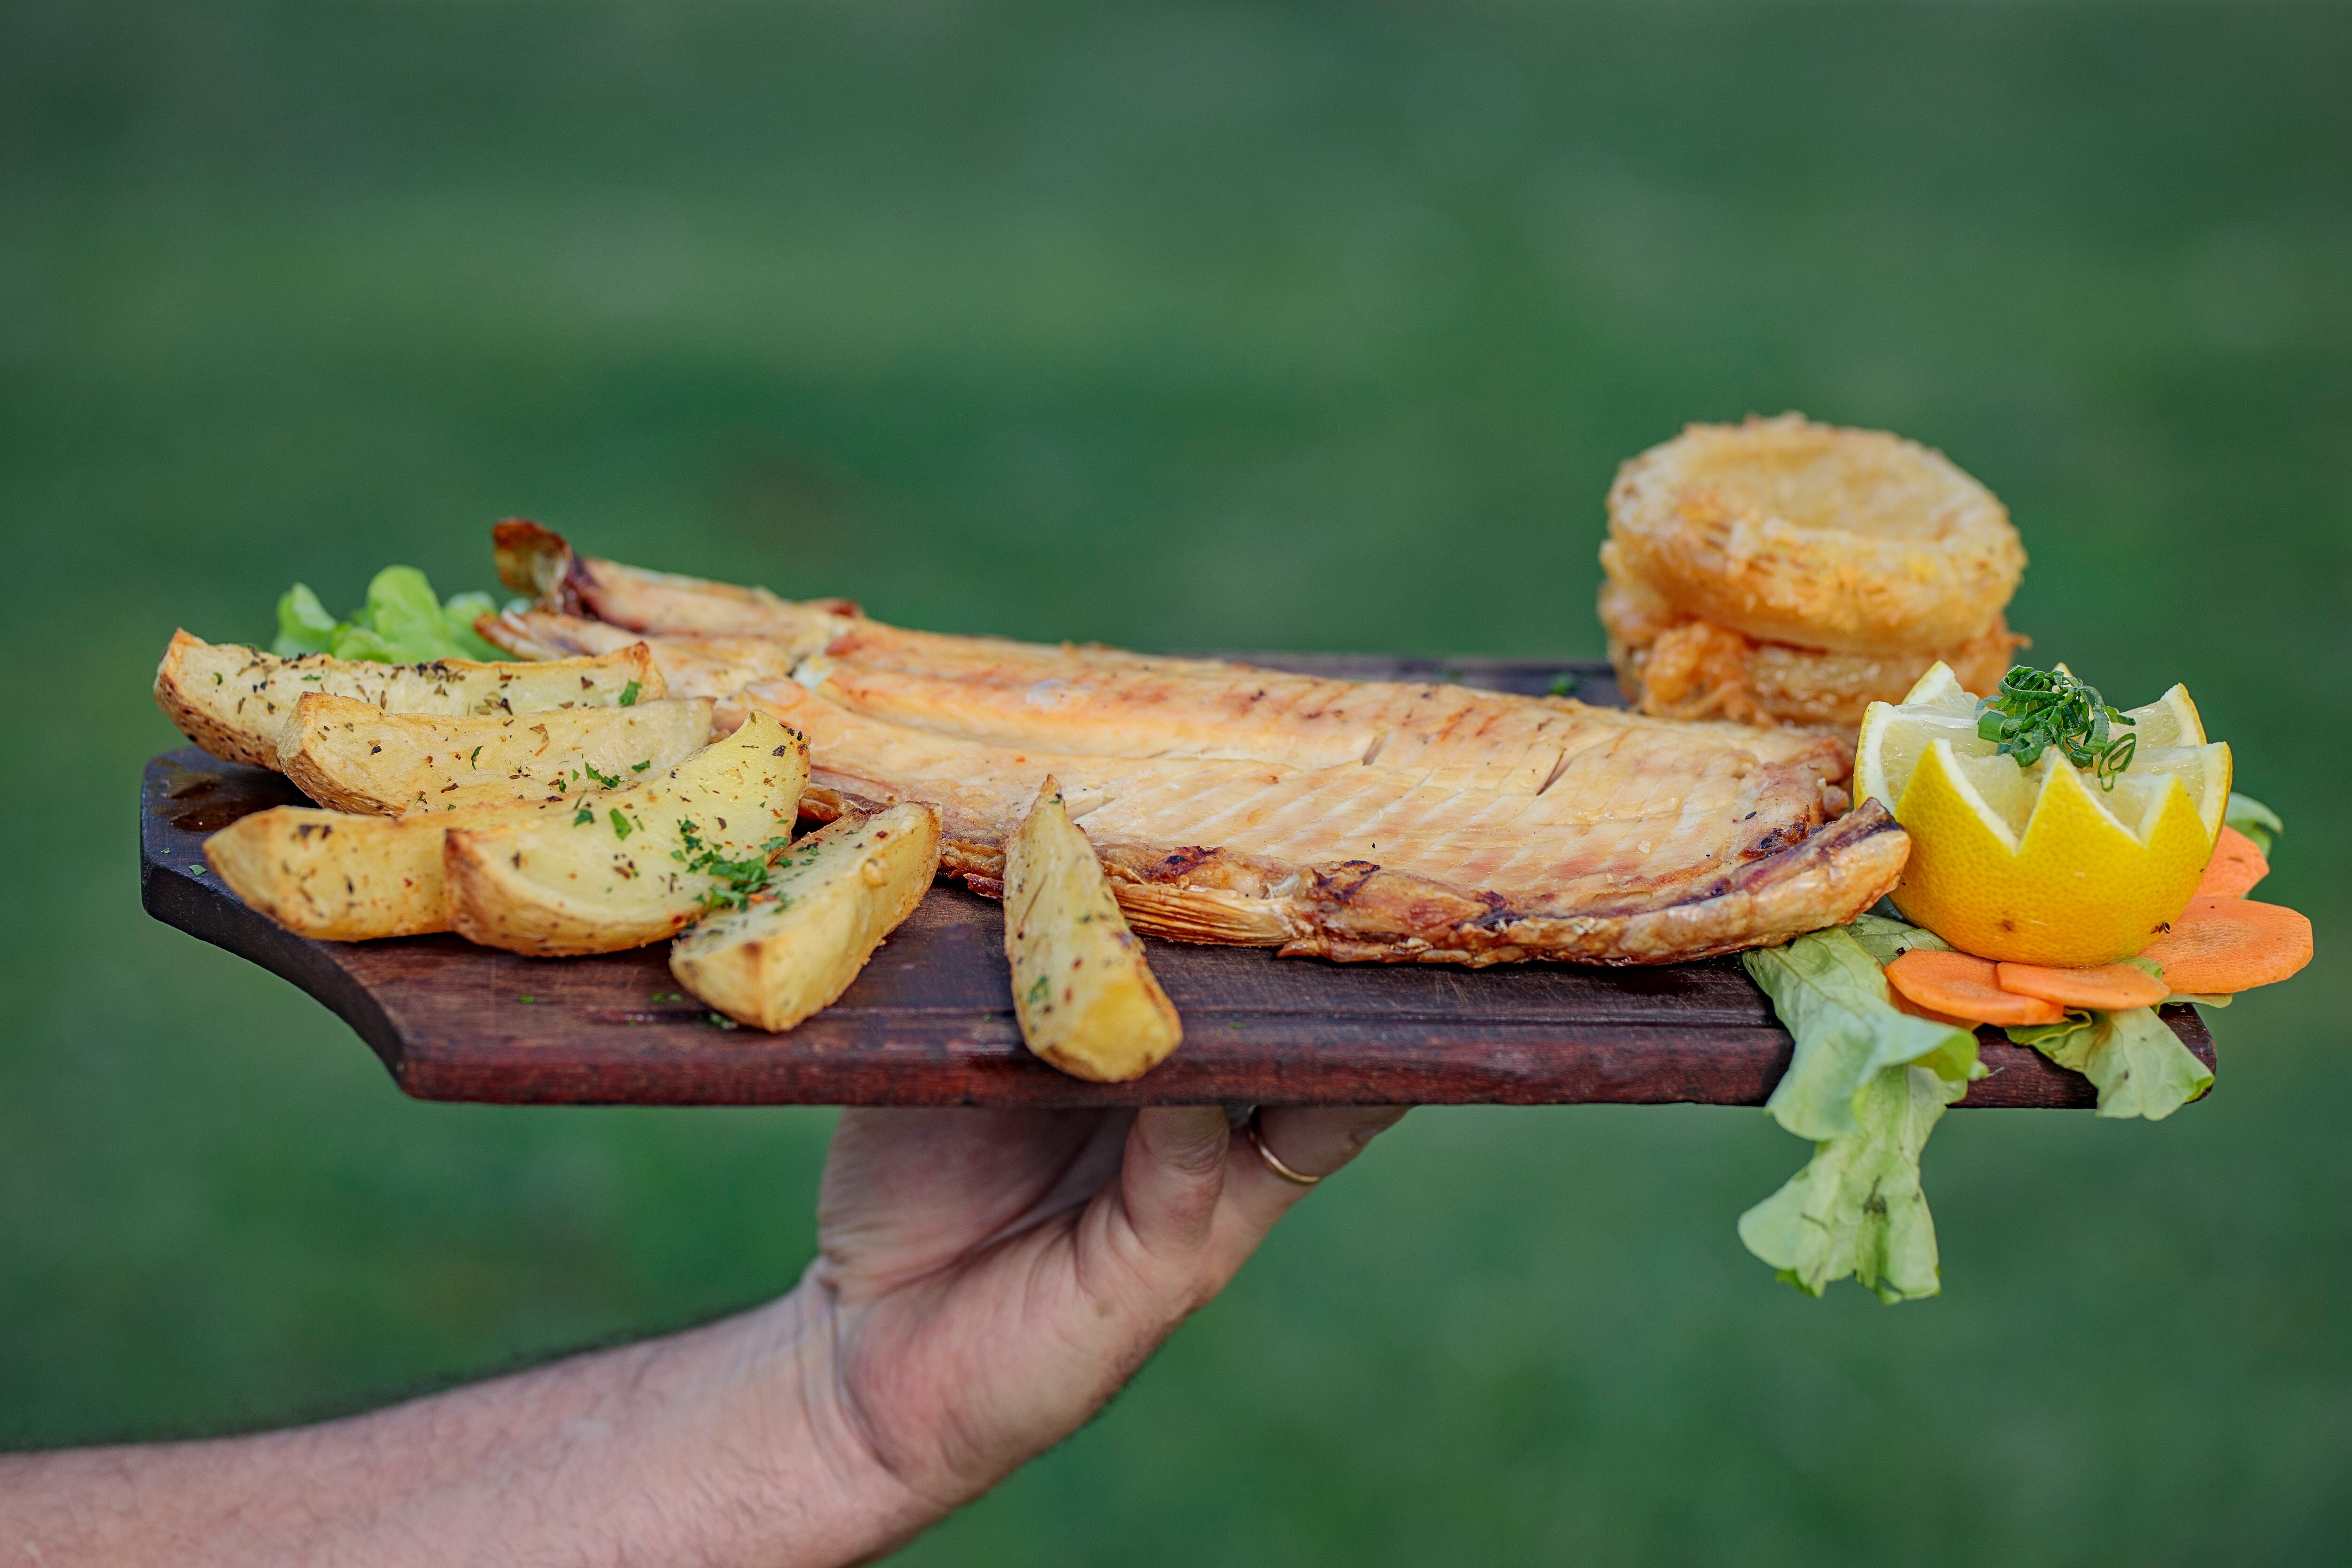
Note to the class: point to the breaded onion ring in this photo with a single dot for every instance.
(1678, 666)
(1795, 533)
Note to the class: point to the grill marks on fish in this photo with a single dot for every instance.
(1357, 820)
(1486, 869)
(1072, 701)
(1230, 714)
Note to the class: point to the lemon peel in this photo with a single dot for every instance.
(2038, 865)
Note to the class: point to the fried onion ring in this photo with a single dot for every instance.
(1680, 667)
(1790, 532)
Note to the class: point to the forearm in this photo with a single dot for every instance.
(725, 1444)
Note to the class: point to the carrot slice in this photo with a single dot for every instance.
(2221, 945)
(2237, 865)
(1961, 986)
(2110, 987)
(1904, 1005)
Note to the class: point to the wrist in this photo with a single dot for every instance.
(792, 1443)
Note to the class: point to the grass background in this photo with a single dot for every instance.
(1305, 326)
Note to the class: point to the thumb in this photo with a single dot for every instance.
(1172, 1175)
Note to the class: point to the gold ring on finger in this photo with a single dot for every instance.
(1273, 1161)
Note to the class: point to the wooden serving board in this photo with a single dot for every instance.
(930, 1020)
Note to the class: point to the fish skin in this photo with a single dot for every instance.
(541, 561)
(1359, 862)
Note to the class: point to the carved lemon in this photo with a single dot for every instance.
(2043, 865)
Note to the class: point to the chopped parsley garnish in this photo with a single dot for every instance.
(584, 816)
(475, 760)
(2033, 710)
(620, 823)
(1039, 989)
(740, 880)
(641, 767)
(610, 781)
(629, 695)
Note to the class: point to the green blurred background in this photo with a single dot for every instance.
(1310, 326)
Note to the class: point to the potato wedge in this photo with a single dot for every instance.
(829, 902)
(639, 864)
(344, 753)
(1087, 999)
(238, 703)
(340, 877)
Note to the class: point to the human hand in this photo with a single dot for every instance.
(992, 1276)
(985, 1281)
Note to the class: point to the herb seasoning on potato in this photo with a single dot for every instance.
(1087, 999)
(344, 753)
(794, 943)
(643, 863)
(238, 703)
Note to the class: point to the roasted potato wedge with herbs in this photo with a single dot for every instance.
(797, 943)
(639, 863)
(1087, 999)
(238, 703)
(340, 878)
(344, 753)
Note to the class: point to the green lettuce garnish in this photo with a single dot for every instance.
(2138, 1064)
(2255, 820)
(1830, 994)
(1866, 1083)
(1856, 1207)
(401, 623)
(1886, 938)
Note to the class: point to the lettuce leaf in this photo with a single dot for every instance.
(1866, 1083)
(401, 623)
(303, 624)
(458, 616)
(2056, 1041)
(1832, 997)
(1886, 938)
(1856, 1208)
(2137, 1064)
(2255, 820)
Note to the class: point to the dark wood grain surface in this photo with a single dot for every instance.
(931, 1021)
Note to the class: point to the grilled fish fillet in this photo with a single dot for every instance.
(712, 639)
(1350, 861)
(1354, 820)
(1434, 733)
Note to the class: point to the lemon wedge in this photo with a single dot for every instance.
(2041, 865)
